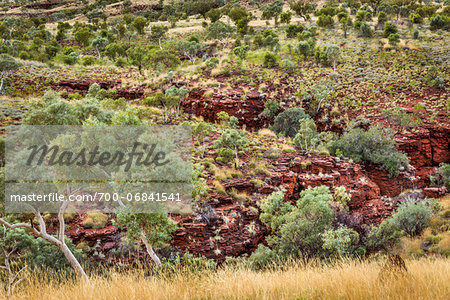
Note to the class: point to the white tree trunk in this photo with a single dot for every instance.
(150, 250)
(59, 242)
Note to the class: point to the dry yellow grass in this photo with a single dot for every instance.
(426, 279)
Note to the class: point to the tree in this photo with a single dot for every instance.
(307, 138)
(273, 10)
(190, 49)
(288, 122)
(302, 8)
(114, 50)
(180, 93)
(332, 54)
(158, 33)
(100, 43)
(10, 250)
(157, 59)
(168, 102)
(58, 241)
(153, 229)
(220, 31)
(83, 35)
(237, 13)
(137, 56)
(232, 139)
(201, 130)
(139, 24)
(346, 24)
(297, 230)
(7, 66)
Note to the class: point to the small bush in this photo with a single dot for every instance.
(88, 60)
(438, 22)
(263, 257)
(270, 60)
(413, 217)
(271, 108)
(325, 21)
(365, 30)
(375, 145)
(384, 237)
(95, 220)
(389, 28)
(293, 30)
(120, 62)
(444, 175)
(416, 18)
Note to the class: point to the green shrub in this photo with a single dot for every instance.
(416, 34)
(225, 155)
(95, 220)
(88, 60)
(438, 22)
(24, 55)
(389, 28)
(263, 257)
(444, 175)
(186, 264)
(384, 237)
(68, 59)
(413, 217)
(394, 39)
(375, 145)
(325, 21)
(382, 17)
(304, 48)
(271, 108)
(293, 30)
(120, 62)
(416, 18)
(340, 242)
(365, 30)
(288, 122)
(270, 60)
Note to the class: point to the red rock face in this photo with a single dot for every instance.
(247, 108)
(391, 186)
(83, 86)
(234, 231)
(427, 149)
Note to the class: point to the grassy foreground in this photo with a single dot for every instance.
(426, 279)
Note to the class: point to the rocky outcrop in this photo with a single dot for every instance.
(82, 86)
(247, 108)
(391, 186)
(427, 148)
(234, 231)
